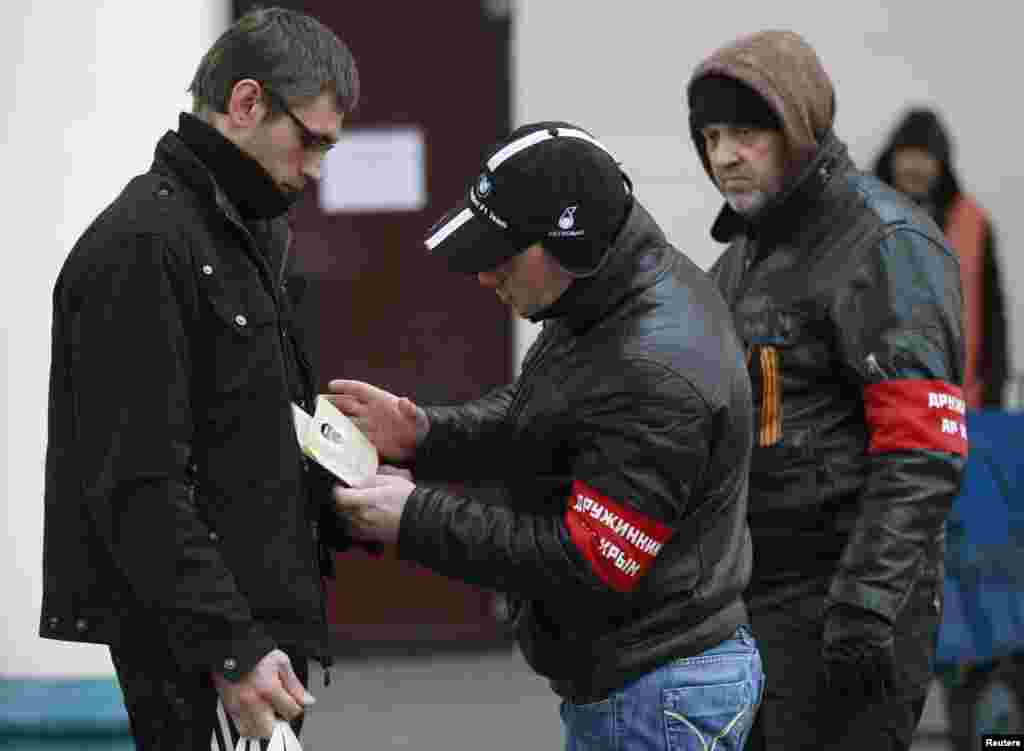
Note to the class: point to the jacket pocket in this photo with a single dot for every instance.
(785, 476)
(242, 335)
(784, 356)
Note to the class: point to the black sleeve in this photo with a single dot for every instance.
(130, 377)
(465, 441)
(901, 335)
(468, 442)
(639, 455)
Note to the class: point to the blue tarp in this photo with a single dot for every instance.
(56, 714)
(984, 588)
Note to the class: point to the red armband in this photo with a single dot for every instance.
(908, 414)
(619, 542)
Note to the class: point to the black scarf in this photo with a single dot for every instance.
(246, 183)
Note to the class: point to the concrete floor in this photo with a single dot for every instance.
(490, 701)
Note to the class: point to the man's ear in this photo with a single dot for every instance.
(247, 104)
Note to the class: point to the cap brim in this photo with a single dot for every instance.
(467, 243)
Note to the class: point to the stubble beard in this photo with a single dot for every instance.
(747, 203)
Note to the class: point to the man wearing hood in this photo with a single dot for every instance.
(918, 160)
(622, 451)
(847, 298)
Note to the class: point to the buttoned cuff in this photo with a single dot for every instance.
(233, 655)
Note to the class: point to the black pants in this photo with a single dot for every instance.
(964, 697)
(173, 710)
(798, 714)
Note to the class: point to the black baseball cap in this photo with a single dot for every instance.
(549, 182)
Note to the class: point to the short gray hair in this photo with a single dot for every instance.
(292, 54)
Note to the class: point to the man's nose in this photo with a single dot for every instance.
(724, 153)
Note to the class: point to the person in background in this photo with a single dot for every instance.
(182, 527)
(622, 452)
(918, 160)
(847, 299)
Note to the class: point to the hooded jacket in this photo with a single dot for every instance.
(970, 231)
(847, 298)
(623, 451)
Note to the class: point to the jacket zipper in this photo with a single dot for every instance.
(324, 658)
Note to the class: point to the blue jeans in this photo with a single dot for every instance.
(701, 703)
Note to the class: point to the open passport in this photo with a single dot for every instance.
(334, 442)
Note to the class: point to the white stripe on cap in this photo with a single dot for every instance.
(448, 228)
(511, 149)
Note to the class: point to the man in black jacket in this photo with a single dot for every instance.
(182, 527)
(847, 298)
(621, 450)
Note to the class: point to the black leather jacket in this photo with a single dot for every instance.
(178, 506)
(636, 396)
(848, 299)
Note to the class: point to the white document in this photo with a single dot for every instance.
(375, 169)
(335, 443)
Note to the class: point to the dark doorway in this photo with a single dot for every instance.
(386, 312)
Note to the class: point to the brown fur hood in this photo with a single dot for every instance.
(785, 70)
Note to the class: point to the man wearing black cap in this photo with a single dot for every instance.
(621, 450)
(847, 298)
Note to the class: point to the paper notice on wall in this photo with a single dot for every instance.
(375, 169)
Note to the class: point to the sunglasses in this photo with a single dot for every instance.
(311, 141)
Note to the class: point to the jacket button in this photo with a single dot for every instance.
(230, 664)
(164, 191)
(54, 621)
(208, 269)
(214, 537)
(241, 320)
(81, 625)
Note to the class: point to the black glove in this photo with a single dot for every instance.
(858, 655)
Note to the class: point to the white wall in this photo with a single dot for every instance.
(90, 87)
(619, 69)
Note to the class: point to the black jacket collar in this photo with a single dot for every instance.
(247, 186)
(635, 262)
(270, 238)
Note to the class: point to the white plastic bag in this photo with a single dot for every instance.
(226, 737)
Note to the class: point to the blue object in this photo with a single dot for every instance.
(63, 714)
(983, 618)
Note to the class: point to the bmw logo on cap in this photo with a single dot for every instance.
(484, 185)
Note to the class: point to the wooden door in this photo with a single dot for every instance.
(386, 312)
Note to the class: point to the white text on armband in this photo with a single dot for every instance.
(622, 562)
(618, 525)
(938, 400)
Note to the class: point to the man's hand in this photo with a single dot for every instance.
(268, 691)
(858, 654)
(374, 512)
(393, 424)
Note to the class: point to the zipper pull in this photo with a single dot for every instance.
(326, 661)
(874, 368)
